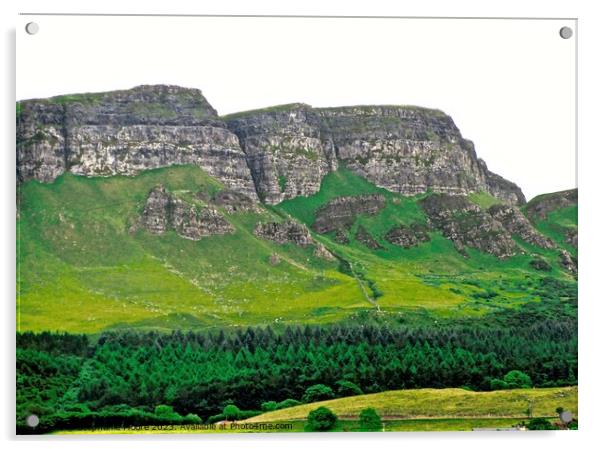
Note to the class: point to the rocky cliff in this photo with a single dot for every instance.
(164, 211)
(285, 150)
(126, 132)
(271, 154)
(410, 150)
(404, 149)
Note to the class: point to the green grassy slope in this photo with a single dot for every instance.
(432, 276)
(440, 403)
(82, 268)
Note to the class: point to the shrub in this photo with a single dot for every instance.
(518, 379)
(346, 388)
(369, 420)
(269, 406)
(498, 384)
(318, 392)
(191, 418)
(321, 419)
(166, 412)
(231, 412)
(540, 424)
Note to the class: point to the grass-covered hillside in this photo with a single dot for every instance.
(440, 404)
(85, 266)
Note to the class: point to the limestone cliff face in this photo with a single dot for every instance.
(126, 132)
(272, 154)
(410, 150)
(285, 151)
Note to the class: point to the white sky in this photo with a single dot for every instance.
(509, 85)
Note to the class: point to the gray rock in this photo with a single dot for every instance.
(410, 150)
(285, 232)
(291, 231)
(273, 154)
(568, 262)
(571, 237)
(363, 236)
(126, 132)
(539, 207)
(163, 212)
(408, 236)
(285, 151)
(466, 225)
(341, 212)
(517, 224)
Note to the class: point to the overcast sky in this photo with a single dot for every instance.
(509, 85)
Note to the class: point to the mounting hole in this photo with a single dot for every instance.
(32, 421)
(566, 417)
(566, 32)
(32, 28)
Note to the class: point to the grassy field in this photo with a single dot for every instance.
(82, 267)
(421, 410)
(448, 403)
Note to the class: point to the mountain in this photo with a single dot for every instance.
(145, 209)
(285, 151)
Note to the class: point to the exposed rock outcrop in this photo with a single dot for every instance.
(273, 154)
(341, 212)
(404, 149)
(517, 224)
(466, 225)
(126, 132)
(410, 150)
(363, 236)
(163, 211)
(540, 264)
(408, 236)
(571, 237)
(285, 232)
(232, 201)
(539, 207)
(284, 149)
(568, 262)
(291, 231)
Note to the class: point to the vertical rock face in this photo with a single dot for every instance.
(273, 154)
(126, 132)
(285, 151)
(410, 150)
(163, 212)
(41, 150)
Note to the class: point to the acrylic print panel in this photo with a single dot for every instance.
(277, 224)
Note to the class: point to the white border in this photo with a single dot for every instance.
(590, 74)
